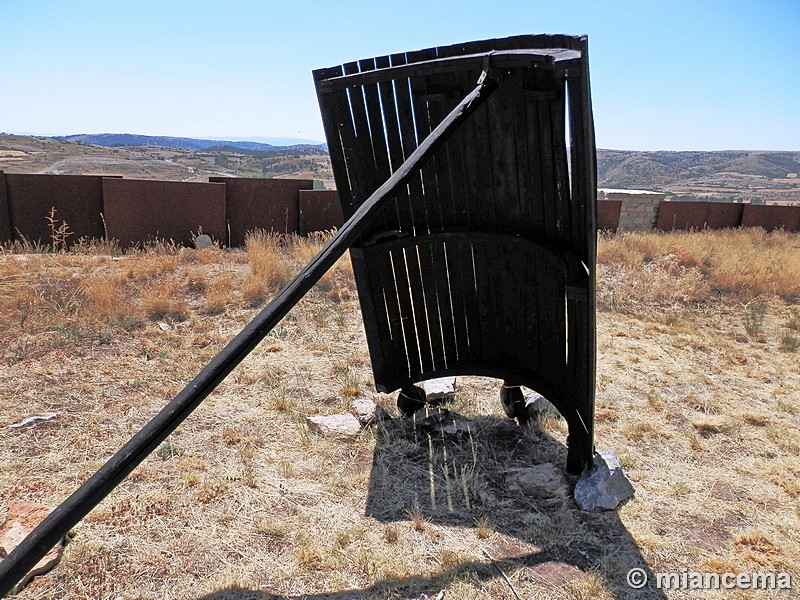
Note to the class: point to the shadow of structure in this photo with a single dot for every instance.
(459, 476)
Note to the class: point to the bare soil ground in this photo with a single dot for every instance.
(698, 391)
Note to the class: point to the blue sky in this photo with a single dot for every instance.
(666, 75)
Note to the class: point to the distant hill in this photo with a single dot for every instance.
(165, 158)
(725, 175)
(177, 143)
(742, 176)
(625, 168)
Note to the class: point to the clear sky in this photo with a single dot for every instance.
(666, 74)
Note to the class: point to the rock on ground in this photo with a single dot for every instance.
(22, 518)
(605, 486)
(539, 481)
(536, 404)
(335, 425)
(203, 241)
(442, 421)
(367, 412)
(442, 388)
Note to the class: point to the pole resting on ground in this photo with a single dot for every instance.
(56, 525)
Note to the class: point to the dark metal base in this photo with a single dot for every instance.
(513, 401)
(410, 400)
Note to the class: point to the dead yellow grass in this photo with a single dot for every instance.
(243, 502)
(268, 259)
(746, 262)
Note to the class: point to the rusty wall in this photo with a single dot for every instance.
(77, 200)
(698, 215)
(771, 217)
(681, 215)
(142, 210)
(319, 211)
(724, 215)
(608, 214)
(269, 204)
(5, 221)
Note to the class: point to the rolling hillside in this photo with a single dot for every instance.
(760, 176)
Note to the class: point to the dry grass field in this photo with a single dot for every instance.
(698, 392)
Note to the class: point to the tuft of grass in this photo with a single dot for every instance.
(391, 534)
(758, 549)
(164, 301)
(754, 316)
(218, 294)
(268, 259)
(483, 528)
(793, 321)
(274, 530)
(790, 342)
(166, 451)
(351, 385)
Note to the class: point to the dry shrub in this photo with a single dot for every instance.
(145, 265)
(106, 298)
(689, 266)
(267, 256)
(17, 298)
(196, 281)
(759, 549)
(275, 259)
(218, 294)
(254, 292)
(339, 278)
(164, 301)
(650, 284)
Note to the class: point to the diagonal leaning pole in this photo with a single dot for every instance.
(56, 525)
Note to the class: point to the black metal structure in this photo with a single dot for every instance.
(484, 263)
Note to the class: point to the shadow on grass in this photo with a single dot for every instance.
(460, 480)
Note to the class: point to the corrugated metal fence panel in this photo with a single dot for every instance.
(319, 211)
(608, 214)
(771, 217)
(77, 200)
(140, 210)
(269, 204)
(5, 218)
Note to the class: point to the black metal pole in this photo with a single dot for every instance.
(56, 525)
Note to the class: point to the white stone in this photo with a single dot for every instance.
(536, 404)
(605, 486)
(439, 389)
(367, 412)
(334, 425)
(203, 241)
(34, 420)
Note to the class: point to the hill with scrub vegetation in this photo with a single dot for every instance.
(749, 176)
